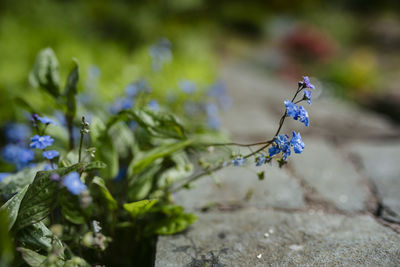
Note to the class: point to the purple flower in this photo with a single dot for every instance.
(307, 96)
(187, 86)
(50, 154)
(73, 183)
(238, 161)
(45, 120)
(153, 104)
(297, 143)
(307, 83)
(41, 142)
(19, 156)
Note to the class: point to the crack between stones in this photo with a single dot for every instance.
(374, 204)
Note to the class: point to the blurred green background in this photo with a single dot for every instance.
(350, 46)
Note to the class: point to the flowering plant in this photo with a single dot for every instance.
(98, 200)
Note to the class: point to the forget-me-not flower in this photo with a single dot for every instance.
(297, 143)
(45, 120)
(297, 112)
(73, 183)
(282, 144)
(41, 142)
(307, 96)
(238, 161)
(153, 104)
(261, 159)
(17, 133)
(50, 154)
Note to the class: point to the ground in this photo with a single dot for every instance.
(337, 203)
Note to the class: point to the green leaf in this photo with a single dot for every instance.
(45, 72)
(144, 159)
(31, 257)
(6, 246)
(139, 207)
(40, 196)
(16, 182)
(71, 210)
(38, 236)
(140, 185)
(95, 165)
(101, 185)
(71, 89)
(155, 123)
(11, 207)
(183, 168)
(173, 220)
(107, 154)
(68, 159)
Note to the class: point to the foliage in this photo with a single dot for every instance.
(113, 176)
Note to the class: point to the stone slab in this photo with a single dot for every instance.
(381, 162)
(240, 186)
(335, 179)
(271, 238)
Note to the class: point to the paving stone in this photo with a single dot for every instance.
(381, 163)
(325, 170)
(271, 238)
(278, 189)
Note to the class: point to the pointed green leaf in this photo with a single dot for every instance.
(6, 246)
(11, 207)
(45, 72)
(101, 185)
(40, 196)
(144, 159)
(139, 207)
(31, 257)
(71, 89)
(17, 181)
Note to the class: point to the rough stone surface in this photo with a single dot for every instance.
(290, 201)
(381, 162)
(325, 170)
(240, 239)
(240, 187)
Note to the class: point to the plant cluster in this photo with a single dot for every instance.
(97, 189)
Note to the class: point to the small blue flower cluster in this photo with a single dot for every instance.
(160, 53)
(238, 161)
(283, 144)
(16, 151)
(43, 141)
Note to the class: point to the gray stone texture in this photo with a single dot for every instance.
(271, 238)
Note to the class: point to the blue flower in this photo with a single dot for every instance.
(73, 183)
(153, 104)
(121, 104)
(160, 53)
(297, 112)
(19, 156)
(291, 109)
(297, 143)
(282, 144)
(261, 159)
(187, 86)
(50, 154)
(45, 120)
(219, 92)
(307, 83)
(303, 116)
(17, 133)
(307, 96)
(3, 175)
(239, 161)
(41, 142)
